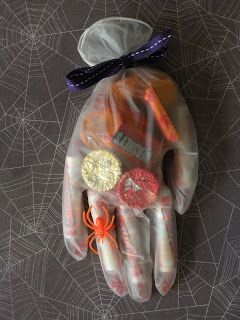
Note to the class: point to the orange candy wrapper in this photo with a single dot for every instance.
(161, 115)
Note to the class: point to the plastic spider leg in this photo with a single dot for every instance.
(90, 235)
(106, 215)
(112, 225)
(85, 220)
(112, 238)
(88, 217)
(91, 245)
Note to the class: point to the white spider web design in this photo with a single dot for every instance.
(38, 278)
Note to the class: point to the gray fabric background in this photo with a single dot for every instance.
(38, 278)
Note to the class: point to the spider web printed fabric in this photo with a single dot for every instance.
(38, 278)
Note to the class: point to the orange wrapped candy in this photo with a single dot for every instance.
(116, 124)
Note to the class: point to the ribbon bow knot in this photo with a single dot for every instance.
(154, 49)
(127, 61)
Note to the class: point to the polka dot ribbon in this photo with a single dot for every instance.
(153, 50)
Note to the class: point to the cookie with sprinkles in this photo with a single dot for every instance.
(101, 170)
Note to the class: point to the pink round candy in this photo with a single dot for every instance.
(138, 188)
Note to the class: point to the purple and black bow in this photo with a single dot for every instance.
(154, 49)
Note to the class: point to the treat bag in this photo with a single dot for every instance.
(128, 125)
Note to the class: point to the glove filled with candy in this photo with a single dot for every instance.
(134, 117)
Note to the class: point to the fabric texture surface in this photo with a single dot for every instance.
(38, 278)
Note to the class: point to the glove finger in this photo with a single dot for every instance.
(183, 172)
(182, 178)
(163, 241)
(134, 240)
(109, 254)
(74, 230)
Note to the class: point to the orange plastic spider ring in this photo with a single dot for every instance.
(101, 229)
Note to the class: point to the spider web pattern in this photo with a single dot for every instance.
(38, 278)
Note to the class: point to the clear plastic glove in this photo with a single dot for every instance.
(131, 121)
